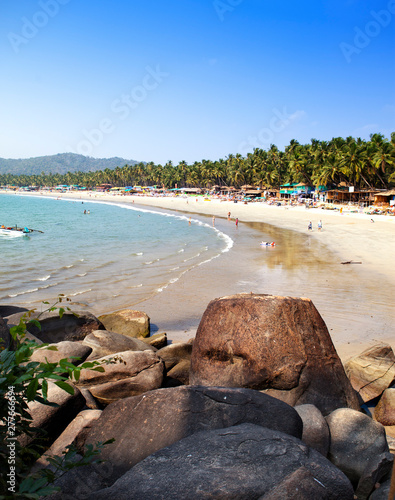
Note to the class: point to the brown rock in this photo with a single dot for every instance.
(277, 344)
(54, 419)
(372, 371)
(385, 409)
(104, 343)
(75, 432)
(128, 373)
(158, 340)
(177, 359)
(127, 322)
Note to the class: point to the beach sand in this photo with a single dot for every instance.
(355, 300)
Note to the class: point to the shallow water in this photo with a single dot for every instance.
(97, 258)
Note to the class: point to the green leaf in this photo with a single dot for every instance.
(32, 389)
(66, 387)
(36, 323)
(44, 387)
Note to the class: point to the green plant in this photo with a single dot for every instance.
(23, 381)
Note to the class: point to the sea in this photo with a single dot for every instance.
(99, 255)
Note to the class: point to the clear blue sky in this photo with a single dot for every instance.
(156, 80)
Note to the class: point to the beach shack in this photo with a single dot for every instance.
(296, 190)
(385, 198)
(348, 195)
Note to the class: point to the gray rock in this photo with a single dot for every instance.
(355, 439)
(104, 343)
(315, 429)
(243, 462)
(65, 349)
(144, 424)
(74, 325)
(382, 492)
(377, 471)
(6, 341)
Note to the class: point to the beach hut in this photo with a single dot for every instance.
(385, 198)
(253, 193)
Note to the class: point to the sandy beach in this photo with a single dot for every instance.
(354, 299)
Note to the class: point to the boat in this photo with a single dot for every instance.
(16, 231)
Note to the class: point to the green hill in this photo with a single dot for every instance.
(60, 164)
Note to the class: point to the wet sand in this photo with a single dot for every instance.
(355, 300)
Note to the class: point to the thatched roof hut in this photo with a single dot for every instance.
(384, 198)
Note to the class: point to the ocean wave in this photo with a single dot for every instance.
(12, 295)
(79, 292)
(45, 278)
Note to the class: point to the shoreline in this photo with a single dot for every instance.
(345, 237)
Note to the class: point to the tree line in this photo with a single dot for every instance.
(362, 164)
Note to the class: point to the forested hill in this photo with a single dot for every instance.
(60, 164)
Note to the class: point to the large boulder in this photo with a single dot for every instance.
(356, 443)
(372, 371)
(126, 374)
(243, 462)
(277, 344)
(103, 343)
(315, 429)
(144, 424)
(127, 322)
(53, 419)
(74, 352)
(74, 325)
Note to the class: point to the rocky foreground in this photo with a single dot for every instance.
(257, 406)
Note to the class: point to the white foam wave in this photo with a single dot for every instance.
(45, 278)
(11, 295)
(80, 292)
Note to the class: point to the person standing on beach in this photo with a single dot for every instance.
(237, 222)
(213, 220)
(319, 225)
(310, 226)
(228, 215)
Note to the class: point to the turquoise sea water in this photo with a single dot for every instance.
(116, 255)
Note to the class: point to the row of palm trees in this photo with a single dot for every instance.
(363, 164)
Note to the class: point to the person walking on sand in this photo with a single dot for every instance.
(319, 225)
(310, 226)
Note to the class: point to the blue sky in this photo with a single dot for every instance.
(192, 79)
